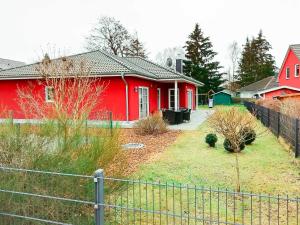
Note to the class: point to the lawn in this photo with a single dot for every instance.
(266, 166)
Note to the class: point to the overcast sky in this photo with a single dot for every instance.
(28, 27)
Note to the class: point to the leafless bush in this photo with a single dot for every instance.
(230, 123)
(273, 104)
(152, 125)
(291, 108)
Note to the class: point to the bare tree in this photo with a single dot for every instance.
(173, 53)
(234, 53)
(231, 123)
(109, 35)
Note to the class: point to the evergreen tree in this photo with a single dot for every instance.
(136, 48)
(200, 63)
(256, 62)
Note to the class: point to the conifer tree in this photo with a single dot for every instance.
(256, 61)
(200, 63)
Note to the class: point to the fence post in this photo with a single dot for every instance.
(99, 197)
(297, 139)
(110, 123)
(268, 117)
(278, 124)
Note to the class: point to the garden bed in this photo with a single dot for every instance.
(153, 146)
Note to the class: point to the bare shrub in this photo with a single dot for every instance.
(152, 125)
(230, 123)
(273, 104)
(290, 108)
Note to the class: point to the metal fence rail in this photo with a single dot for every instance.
(280, 124)
(37, 197)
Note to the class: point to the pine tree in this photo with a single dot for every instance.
(200, 63)
(256, 62)
(136, 48)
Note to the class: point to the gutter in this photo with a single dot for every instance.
(126, 96)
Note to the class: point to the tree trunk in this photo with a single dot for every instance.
(237, 167)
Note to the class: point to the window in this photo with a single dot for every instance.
(172, 98)
(297, 71)
(287, 73)
(158, 99)
(49, 94)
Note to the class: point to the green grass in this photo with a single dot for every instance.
(266, 167)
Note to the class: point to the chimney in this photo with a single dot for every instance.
(179, 65)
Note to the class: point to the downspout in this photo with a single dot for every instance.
(126, 96)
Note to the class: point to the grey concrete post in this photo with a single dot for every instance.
(99, 197)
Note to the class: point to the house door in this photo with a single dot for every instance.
(172, 98)
(143, 102)
(190, 99)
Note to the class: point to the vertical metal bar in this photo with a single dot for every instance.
(278, 124)
(287, 210)
(234, 206)
(188, 203)
(218, 205)
(180, 191)
(210, 206)
(278, 210)
(99, 197)
(297, 206)
(133, 201)
(167, 206)
(269, 209)
(226, 206)
(297, 139)
(153, 206)
(159, 195)
(203, 205)
(146, 202)
(243, 209)
(195, 197)
(251, 209)
(127, 201)
(260, 208)
(140, 196)
(173, 196)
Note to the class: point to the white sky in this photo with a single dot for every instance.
(28, 27)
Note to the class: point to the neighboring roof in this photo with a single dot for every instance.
(266, 83)
(227, 92)
(296, 50)
(103, 63)
(278, 88)
(7, 63)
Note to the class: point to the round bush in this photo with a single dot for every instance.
(228, 146)
(248, 135)
(211, 139)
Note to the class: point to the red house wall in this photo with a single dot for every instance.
(112, 99)
(284, 91)
(290, 61)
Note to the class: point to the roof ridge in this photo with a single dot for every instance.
(31, 64)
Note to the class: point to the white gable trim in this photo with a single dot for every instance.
(278, 88)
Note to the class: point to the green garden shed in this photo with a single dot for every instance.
(222, 98)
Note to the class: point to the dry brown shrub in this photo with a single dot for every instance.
(291, 108)
(152, 125)
(273, 104)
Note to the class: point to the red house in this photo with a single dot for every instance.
(135, 87)
(289, 75)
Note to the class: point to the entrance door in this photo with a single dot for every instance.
(143, 102)
(172, 98)
(190, 99)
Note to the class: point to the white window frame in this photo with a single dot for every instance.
(169, 97)
(187, 92)
(286, 73)
(158, 99)
(148, 105)
(297, 75)
(47, 99)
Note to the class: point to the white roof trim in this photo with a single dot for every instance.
(278, 88)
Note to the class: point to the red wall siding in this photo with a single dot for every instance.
(290, 61)
(112, 99)
(284, 91)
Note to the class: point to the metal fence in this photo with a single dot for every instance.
(37, 197)
(280, 124)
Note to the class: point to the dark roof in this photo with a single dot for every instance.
(8, 63)
(103, 63)
(266, 83)
(296, 50)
